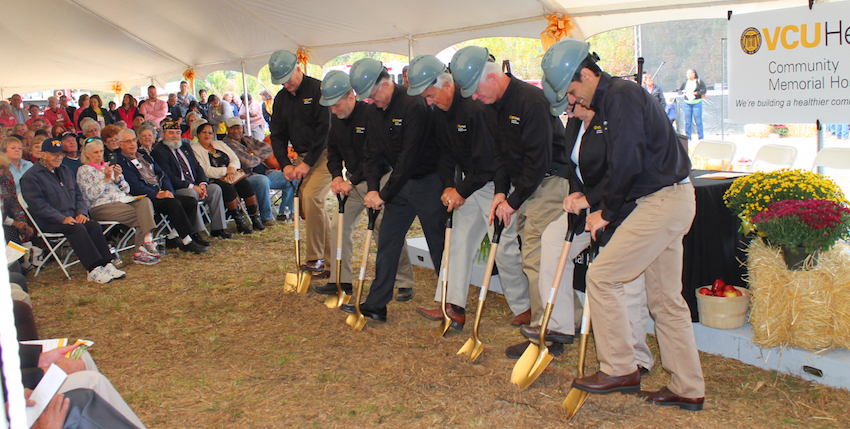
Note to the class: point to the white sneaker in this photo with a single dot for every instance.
(99, 275)
(114, 272)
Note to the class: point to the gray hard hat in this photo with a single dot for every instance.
(555, 107)
(281, 65)
(334, 86)
(364, 74)
(467, 68)
(423, 73)
(560, 64)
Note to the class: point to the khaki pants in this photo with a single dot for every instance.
(353, 208)
(314, 193)
(470, 226)
(532, 218)
(567, 309)
(138, 214)
(649, 241)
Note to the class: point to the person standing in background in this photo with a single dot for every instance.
(694, 89)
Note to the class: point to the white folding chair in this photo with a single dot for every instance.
(713, 149)
(777, 155)
(121, 245)
(53, 240)
(832, 157)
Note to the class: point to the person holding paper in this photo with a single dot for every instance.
(106, 192)
(78, 409)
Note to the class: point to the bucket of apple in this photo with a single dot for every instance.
(723, 306)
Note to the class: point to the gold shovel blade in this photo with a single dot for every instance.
(444, 326)
(290, 283)
(574, 401)
(356, 321)
(472, 348)
(530, 365)
(336, 301)
(304, 279)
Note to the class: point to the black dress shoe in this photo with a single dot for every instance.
(376, 314)
(194, 248)
(516, 350)
(666, 397)
(602, 383)
(222, 234)
(173, 243)
(330, 289)
(553, 336)
(316, 266)
(642, 370)
(257, 223)
(197, 239)
(404, 294)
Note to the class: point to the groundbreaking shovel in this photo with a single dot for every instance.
(536, 357)
(473, 346)
(334, 301)
(444, 276)
(298, 281)
(576, 397)
(356, 320)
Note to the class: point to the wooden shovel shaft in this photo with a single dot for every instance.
(553, 292)
(485, 285)
(363, 261)
(444, 274)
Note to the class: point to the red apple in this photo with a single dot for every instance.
(731, 293)
(718, 286)
(704, 291)
(728, 287)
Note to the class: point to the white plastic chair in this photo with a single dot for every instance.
(832, 157)
(778, 155)
(53, 240)
(713, 149)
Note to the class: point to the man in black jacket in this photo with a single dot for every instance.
(401, 134)
(298, 118)
(346, 144)
(177, 160)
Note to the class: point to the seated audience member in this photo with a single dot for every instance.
(84, 104)
(15, 223)
(57, 205)
(56, 131)
(127, 109)
(110, 138)
(27, 141)
(89, 128)
(78, 409)
(253, 154)
(146, 178)
(175, 111)
(138, 120)
(82, 375)
(219, 112)
(97, 112)
(191, 117)
(55, 115)
(6, 117)
(18, 130)
(223, 168)
(35, 148)
(14, 151)
(72, 154)
(177, 159)
(147, 136)
(105, 190)
(203, 104)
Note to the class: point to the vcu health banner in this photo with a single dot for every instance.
(790, 65)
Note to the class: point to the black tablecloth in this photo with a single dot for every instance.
(713, 247)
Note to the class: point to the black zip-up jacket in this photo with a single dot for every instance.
(593, 164)
(644, 153)
(401, 136)
(347, 143)
(528, 138)
(301, 120)
(464, 138)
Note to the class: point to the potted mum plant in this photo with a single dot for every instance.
(803, 228)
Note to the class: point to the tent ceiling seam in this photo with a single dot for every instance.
(234, 3)
(129, 33)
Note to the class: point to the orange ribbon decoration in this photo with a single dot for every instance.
(302, 56)
(560, 26)
(117, 88)
(189, 74)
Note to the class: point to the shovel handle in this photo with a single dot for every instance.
(373, 216)
(449, 219)
(498, 227)
(342, 199)
(575, 222)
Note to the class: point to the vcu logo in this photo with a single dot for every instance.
(751, 40)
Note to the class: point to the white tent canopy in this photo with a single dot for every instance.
(92, 44)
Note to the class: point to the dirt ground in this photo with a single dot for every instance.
(212, 341)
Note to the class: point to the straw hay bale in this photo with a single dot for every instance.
(758, 130)
(802, 130)
(809, 309)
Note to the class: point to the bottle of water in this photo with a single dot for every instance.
(116, 257)
(287, 214)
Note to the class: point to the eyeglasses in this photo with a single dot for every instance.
(127, 141)
(375, 90)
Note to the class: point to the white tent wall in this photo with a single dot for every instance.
(93, 43)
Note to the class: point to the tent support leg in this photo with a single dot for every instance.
(245, 102)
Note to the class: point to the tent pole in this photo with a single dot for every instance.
(819, 127)
(409, 48)
(722, 88)
(246, 103)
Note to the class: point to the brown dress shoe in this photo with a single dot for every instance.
(666, 397)
(323, 275)
(316, 266)
(458, 319)
(522, 319)
(553, 336)
(602, 383)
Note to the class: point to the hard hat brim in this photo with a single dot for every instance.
(467, 92)
(365, 94)
(328, 102)
(284, 79)
(417, 90)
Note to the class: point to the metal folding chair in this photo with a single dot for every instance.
(53, 240)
